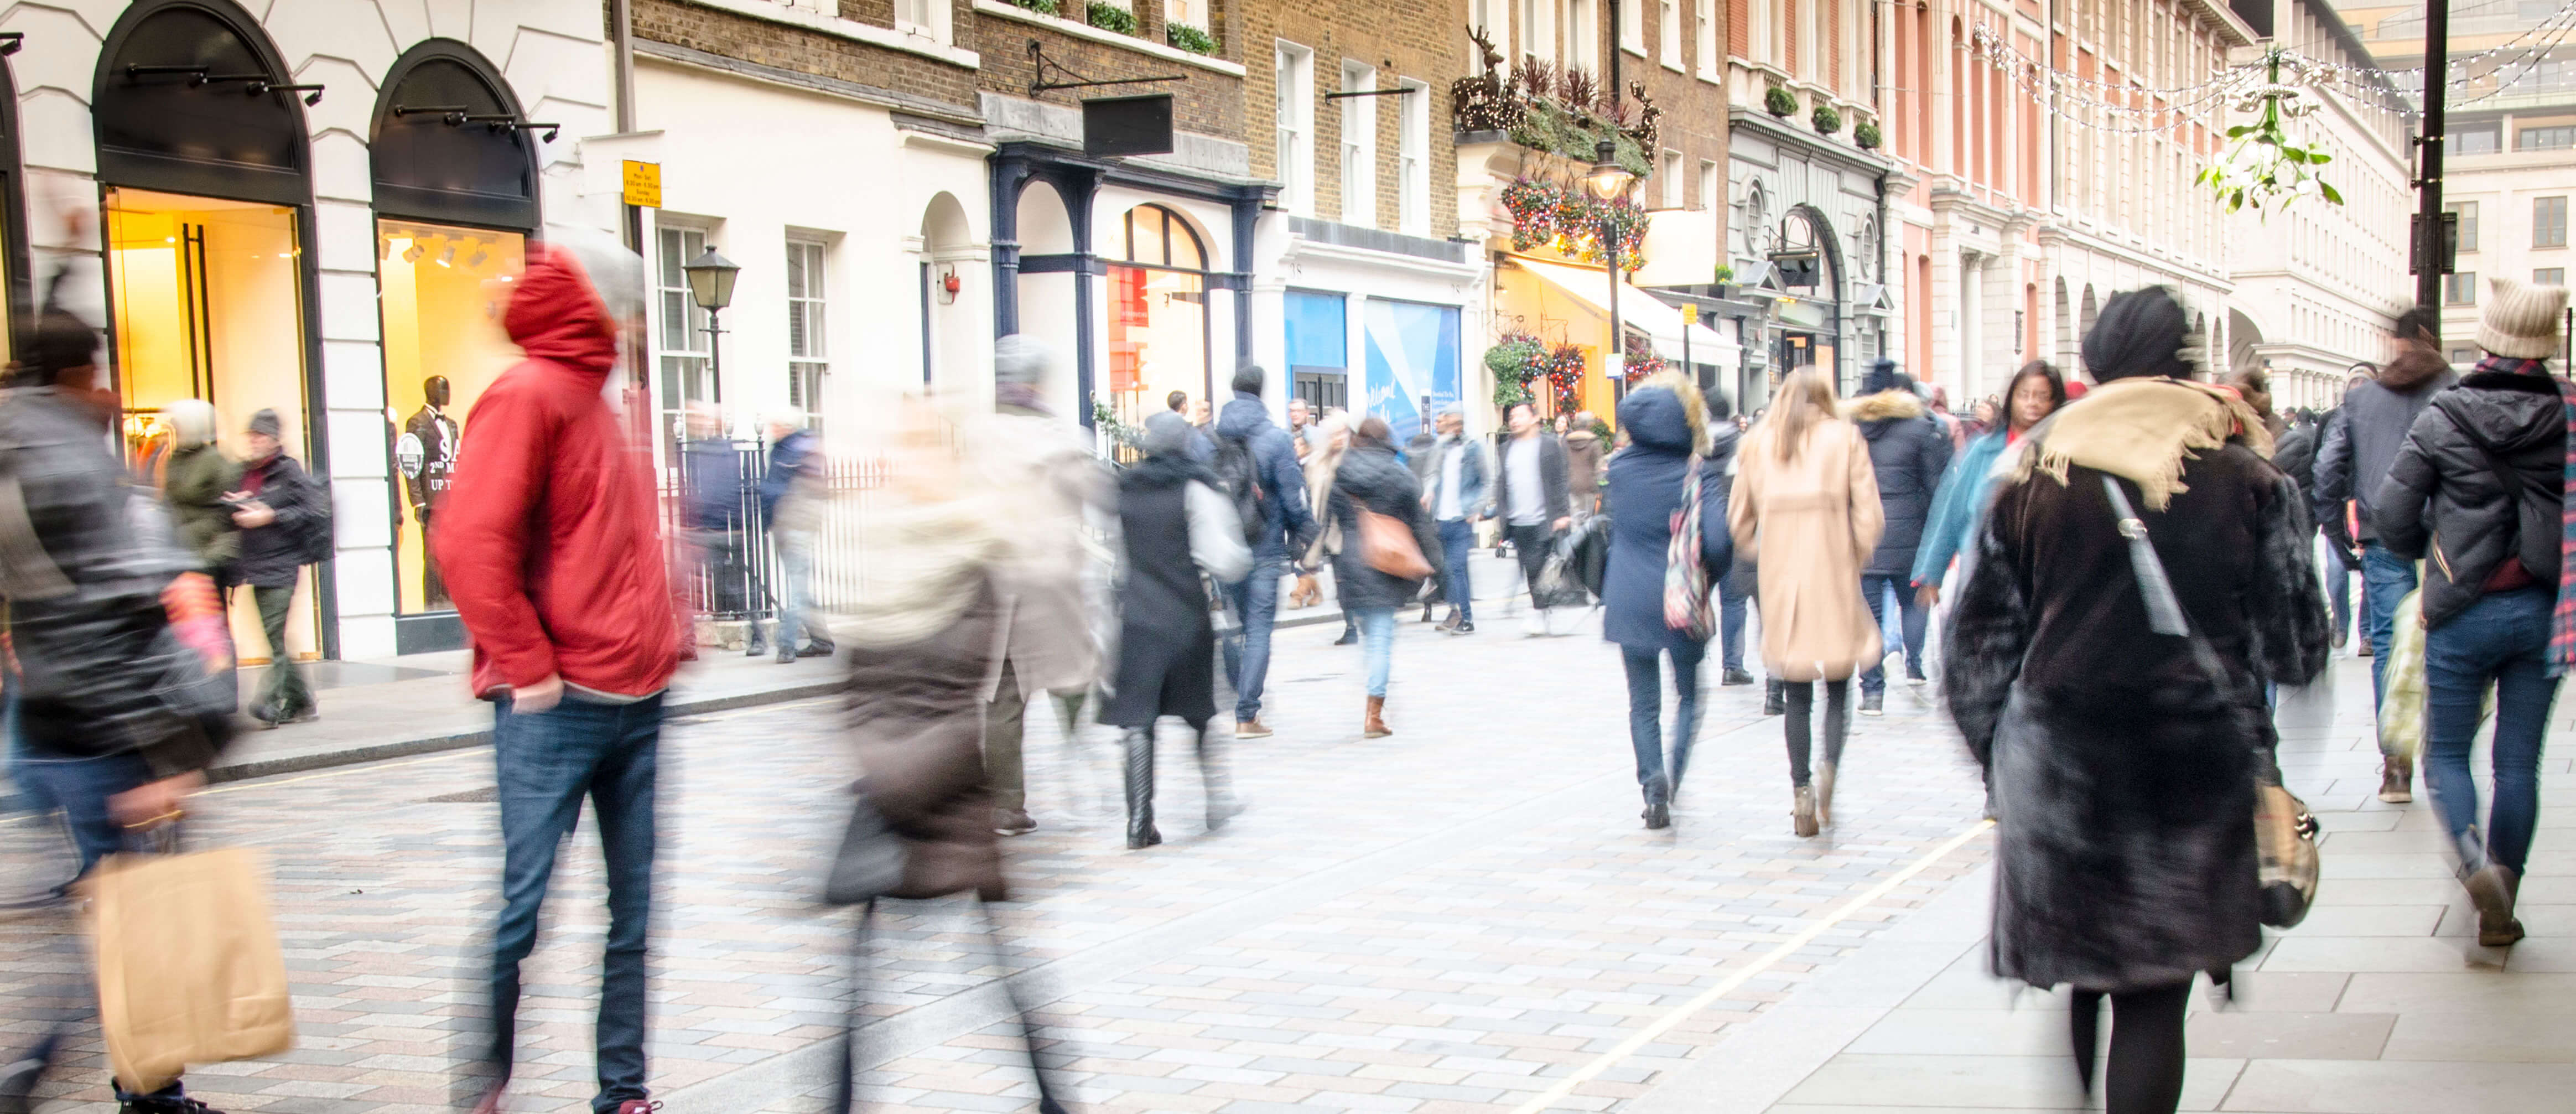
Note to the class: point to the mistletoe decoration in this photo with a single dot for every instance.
(1515, 360)
(2262, 166)
(1547, 214)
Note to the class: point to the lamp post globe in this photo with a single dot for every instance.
(711, 280)
(1607, 179)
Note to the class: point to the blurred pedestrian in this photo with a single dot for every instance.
(195, 477)
(1176, 526)
(104, 739)
(1909, 451)
(1333, 437)
(275, 508)
(1532, 495)
(1651, 485)
(1050, 487)
(791, 502)
(1734, 590)
(2036, 391)
(1286, 525)
(550, 540)
(1371, 480)
(1583, 453)
(1301, 425)
(2124, 770)
(2481, 485)
(717, 521)
(2253, 383)
(1454, 492)
(1806, 504)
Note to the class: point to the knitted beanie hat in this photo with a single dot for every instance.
(2521, 320)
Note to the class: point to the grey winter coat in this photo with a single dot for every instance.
(1373, 478)
(2445, 503)
(2353, 460)
(1909, 451)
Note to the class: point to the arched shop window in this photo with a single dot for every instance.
(455, 166)
(14, 275)
(1158, 320)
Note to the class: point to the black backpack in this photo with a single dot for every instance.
(1240, 477)
(314, 542)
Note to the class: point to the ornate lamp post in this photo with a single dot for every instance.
(1609, 181)
(711, 287)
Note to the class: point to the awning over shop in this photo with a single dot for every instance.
(1638, 309)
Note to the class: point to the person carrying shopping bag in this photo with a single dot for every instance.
(1664, 477)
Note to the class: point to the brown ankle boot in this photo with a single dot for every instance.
(1374, 727)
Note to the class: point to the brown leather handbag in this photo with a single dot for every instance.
(1387, 542)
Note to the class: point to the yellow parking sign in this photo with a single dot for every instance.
(644, 184)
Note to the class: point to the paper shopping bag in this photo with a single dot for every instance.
(189, 970)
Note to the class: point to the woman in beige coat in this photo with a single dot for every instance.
(1806, 508)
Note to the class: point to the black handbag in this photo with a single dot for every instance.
(869, 864)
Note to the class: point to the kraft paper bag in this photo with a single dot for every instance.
(189, 970)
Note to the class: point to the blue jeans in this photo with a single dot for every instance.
(546, 763)
(796, 594)
(1247, 656)
(2504, 638)
(1377, 641)
(1457, 543)
(1734, 590)
(2385, 579)
(1646, 713)
(1912, 618)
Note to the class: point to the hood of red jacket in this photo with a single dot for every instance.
(556, 315)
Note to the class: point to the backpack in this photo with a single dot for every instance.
(1240, 479)
(314, 542)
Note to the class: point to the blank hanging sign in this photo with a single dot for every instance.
(1117, 127)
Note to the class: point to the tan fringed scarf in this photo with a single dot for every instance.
(2141, 430)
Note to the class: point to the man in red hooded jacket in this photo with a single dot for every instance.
(549, 540)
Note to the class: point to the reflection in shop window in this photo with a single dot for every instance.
(441, 290)
(1158, 326)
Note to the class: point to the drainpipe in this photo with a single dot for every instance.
(621, 39)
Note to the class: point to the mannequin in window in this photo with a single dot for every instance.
(427, 454)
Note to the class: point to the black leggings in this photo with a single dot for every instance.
(1802, 701)
(2146, 1047)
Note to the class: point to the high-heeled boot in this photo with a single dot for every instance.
(1824, 792)
(1775, 697)
(1140, 791)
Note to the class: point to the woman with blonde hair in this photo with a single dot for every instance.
(1805, 508)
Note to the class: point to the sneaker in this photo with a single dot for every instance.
(1465, 626)
(1735, 677)
(1917, 682)
(817, 650)
(786, 653)
(1537, 625)
(1873, 703)
(2365, 648)
(1251, 729)
(1012, 822)
(305, 714)
(2396, 781)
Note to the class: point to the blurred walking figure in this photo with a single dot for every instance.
(195, 477)
(791, 503)
(1583, 454)
(2480, 487)
(2124, 772)
(717, 523)
(274, 509)
(2352, 466)
(1333, 438)
(1050, 482)
(1734, 590)
(1908, 450)
(1531, 496)
(103, 742)
(1175, 526)
(1454, 493)
(1806, 505)
(1651, 482)
(550, 544)
(1373, 483)
(1285, 524)
(2036, 391)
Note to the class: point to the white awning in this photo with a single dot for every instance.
(1661, 323)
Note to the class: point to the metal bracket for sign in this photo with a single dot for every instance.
(457, 116)
(1041, 65)
(1398, 91)
(253, 84)
(10, 41)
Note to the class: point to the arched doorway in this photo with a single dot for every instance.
(948, 329)
(1158, 320)
(203, 171)
(1811, 317)
(455, 171)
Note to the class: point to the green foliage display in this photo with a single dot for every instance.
(1547, 126)
(1190, 38)
(1515, 360)
(2262, 167)
(1867, 135)
(1109, 17)
(1826, 120)
(1779, 101)
(1042, 7)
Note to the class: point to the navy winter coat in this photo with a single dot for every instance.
(1287, 523)
(1645, 489)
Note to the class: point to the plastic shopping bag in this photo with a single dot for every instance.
(189, 970)
(2401, 702)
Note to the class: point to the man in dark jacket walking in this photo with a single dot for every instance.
(275, 508)
(1286, 525)
(1533, 496)
(795, 466)
(1453, 490)
(2353, 462)
(1909, 451)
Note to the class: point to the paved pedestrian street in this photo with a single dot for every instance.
(1464, 917)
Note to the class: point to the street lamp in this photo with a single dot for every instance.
(711, 287)
(1609, 181)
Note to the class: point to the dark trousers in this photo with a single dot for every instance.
(1457, 543)
(1646, 713)
(1005, 727)
(1801, 739)
(2146, 1046)
(1911, 617)
(284, 692)
(546, 763)
(1734, 591)
(2503, 638)
(1530, 546)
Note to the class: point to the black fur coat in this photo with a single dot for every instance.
(2123, 776)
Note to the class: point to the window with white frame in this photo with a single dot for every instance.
(1359, 146)
(1668, 33)
(1295, 84)
(1765, 38)
(807, 366)
(1413, 161)
(1712, 187)
(1582, 35)
(1192, 13)
(1632, 27)
(1670, 191)
(1809, 40)
(1538, 29)
(926, 18)
(1711, 67)
(683, 370)
(1494, 18)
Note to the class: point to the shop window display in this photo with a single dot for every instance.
(1158, 325)
(207, 303)
(441, 291)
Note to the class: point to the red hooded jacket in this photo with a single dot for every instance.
(548, 534)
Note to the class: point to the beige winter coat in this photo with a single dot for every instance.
(1810, 523)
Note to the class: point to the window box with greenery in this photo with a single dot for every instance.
(1109, 17)
(1779, 101)
(1042, 7)
(1191, 39)
(1867, 135)
(1826, 120)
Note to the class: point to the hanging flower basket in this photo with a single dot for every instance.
(1515, 359)
(1570, 221)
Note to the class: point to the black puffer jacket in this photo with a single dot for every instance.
(86, 559)
(1909, 450)
(2444, 501)
(1371, 477)
(271, 554)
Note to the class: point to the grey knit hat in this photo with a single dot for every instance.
(265, 421)
(2521, 320)
(1167, 434)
